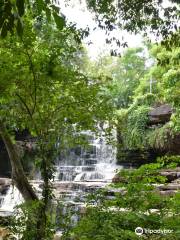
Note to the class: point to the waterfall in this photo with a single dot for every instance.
(96, 162)
(81, 171)
(12, 198)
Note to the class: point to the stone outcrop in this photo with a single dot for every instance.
(135, 157)
(158, 117)
(4, 185)
(171, 174)
(160, 114)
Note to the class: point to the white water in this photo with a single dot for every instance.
(97, 162)
(77, 173)
(12, 198)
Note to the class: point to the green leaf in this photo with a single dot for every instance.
(40, 5)
(60, 22)
(48, 14)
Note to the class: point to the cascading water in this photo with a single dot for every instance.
(79, 172)
(10, 201)
(82, 171)
(93, 163)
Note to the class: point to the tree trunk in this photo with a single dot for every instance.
(18, 175)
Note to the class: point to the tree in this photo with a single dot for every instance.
(42, 92)
(140, 16)
(133, 16)
(125, 72)
(134, 126)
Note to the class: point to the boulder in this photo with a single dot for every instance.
(166, 187)
(160, 114)
(133, 158)
(171, 174)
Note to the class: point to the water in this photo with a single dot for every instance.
(10, 201)
(96, 162)
(82, 170)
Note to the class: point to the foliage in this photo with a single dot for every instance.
(125, 73)
(160, 137)
(134, 127)
(25, 221)
(40, 85)
(165, 89)
(169, 160)
(13, 14)
(135, 203)
(132, 122)
(132, 16)
(44, 91)
(144, 16)
(147, 99)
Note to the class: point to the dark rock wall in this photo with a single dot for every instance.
(136, 158)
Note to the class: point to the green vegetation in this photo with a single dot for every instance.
(134, 125)
(44, 91)
(136, 204)
(50, 88)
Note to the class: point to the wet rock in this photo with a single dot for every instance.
(160, 114)
(167, 193)
(111, 192)
(118, 179)
(4, 185)
(5, 181)
(167, 187)
(3, 189)
(133, 158)
(171, 174)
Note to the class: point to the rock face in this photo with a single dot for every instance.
(4, 185)
(135, 157)
(173, 145)
(160, 114)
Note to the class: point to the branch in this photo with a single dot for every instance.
(25, 105)
(34, 75)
